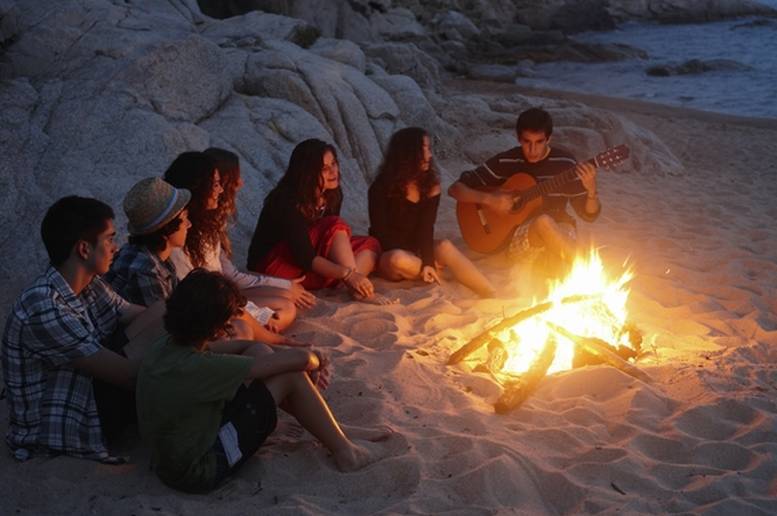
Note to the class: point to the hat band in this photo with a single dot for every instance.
(162, 216)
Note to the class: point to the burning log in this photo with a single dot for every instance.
(507, 322)
(600, 349)
(515, 393)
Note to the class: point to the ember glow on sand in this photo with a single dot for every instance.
(601, 314)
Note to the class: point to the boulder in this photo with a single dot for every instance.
(695, 67)
(342, 51)
(406, 59)
(492, 72)
(453, 25)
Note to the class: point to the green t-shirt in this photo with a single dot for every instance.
(181, 394)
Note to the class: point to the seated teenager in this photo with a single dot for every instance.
(300, 232)
(228, 165)
(142, 272)
(58, 364)
(553, 229)
(195, 172)
(201, 432)
(403, 203)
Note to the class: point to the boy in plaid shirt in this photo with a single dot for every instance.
(53, 351)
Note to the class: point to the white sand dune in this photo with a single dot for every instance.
(702, 437)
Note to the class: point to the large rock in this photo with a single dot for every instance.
(406, 59)
(339, 96)
(686, 11)
(341, 50)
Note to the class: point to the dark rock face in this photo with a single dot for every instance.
(695, 67)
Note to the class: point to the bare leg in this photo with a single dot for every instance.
(398, 265)
(341, 251)
(545, 231)
(285, 311)
(249, 328)
(366, 261)
(462, 268)
(295, 394)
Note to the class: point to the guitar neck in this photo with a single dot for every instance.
(552, 185)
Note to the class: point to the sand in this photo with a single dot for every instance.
(702, 437)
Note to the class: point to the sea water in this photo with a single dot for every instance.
(748, 90)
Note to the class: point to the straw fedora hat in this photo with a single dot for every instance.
(152, 203)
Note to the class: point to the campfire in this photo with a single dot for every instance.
(583, 320)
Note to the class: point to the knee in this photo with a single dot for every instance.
(544, 223)
(444, 246)
(287, 311)
(394, 260)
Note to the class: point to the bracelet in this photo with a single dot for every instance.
(347, 274)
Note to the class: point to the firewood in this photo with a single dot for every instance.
(517, 392)
(601, 349)
(478, 342)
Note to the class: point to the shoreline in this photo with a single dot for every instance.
(620, 104)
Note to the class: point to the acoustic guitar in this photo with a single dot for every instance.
(486, 231)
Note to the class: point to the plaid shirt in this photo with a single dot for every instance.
(140, 277)
(51, 405)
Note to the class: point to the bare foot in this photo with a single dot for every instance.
(375, 299)
(358, 455)
(376, 434)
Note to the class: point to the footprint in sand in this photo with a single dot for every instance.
(376, 330)
(718, 421)
(723, 455)
(661, 449)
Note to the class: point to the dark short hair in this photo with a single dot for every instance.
(70, 220)
(156, 241)
(201, 306)
(534, 119)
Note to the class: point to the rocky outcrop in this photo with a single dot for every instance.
(97, 95)
(695, 67)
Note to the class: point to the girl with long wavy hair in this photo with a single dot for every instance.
(228, 165)
(196, 172)
(403, 203)
(300, 232)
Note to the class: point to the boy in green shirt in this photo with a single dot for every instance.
(205, 413)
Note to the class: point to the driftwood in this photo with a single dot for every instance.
(479, 341)
(600, 348)
(515, 393)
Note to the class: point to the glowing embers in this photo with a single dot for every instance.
(587, 303)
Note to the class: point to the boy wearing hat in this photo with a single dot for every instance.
(142, 272)
(56, 345)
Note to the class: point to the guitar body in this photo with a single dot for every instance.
(487, 232)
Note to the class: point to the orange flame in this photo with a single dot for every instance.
(601, 315)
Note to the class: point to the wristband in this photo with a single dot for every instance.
(347, 274)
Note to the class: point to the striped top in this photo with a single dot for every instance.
(498, 169)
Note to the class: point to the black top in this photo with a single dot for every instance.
(501, 167)
(281, 221)
(400, 224)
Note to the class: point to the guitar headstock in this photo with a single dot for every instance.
(613, 156)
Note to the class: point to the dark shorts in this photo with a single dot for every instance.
(254, 415)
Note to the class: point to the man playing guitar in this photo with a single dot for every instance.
(552, 227)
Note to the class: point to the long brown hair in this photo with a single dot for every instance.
(402, 164)
(195, 172)
(228, 165)
(303, 177)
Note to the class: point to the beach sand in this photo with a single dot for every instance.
(702, 437)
